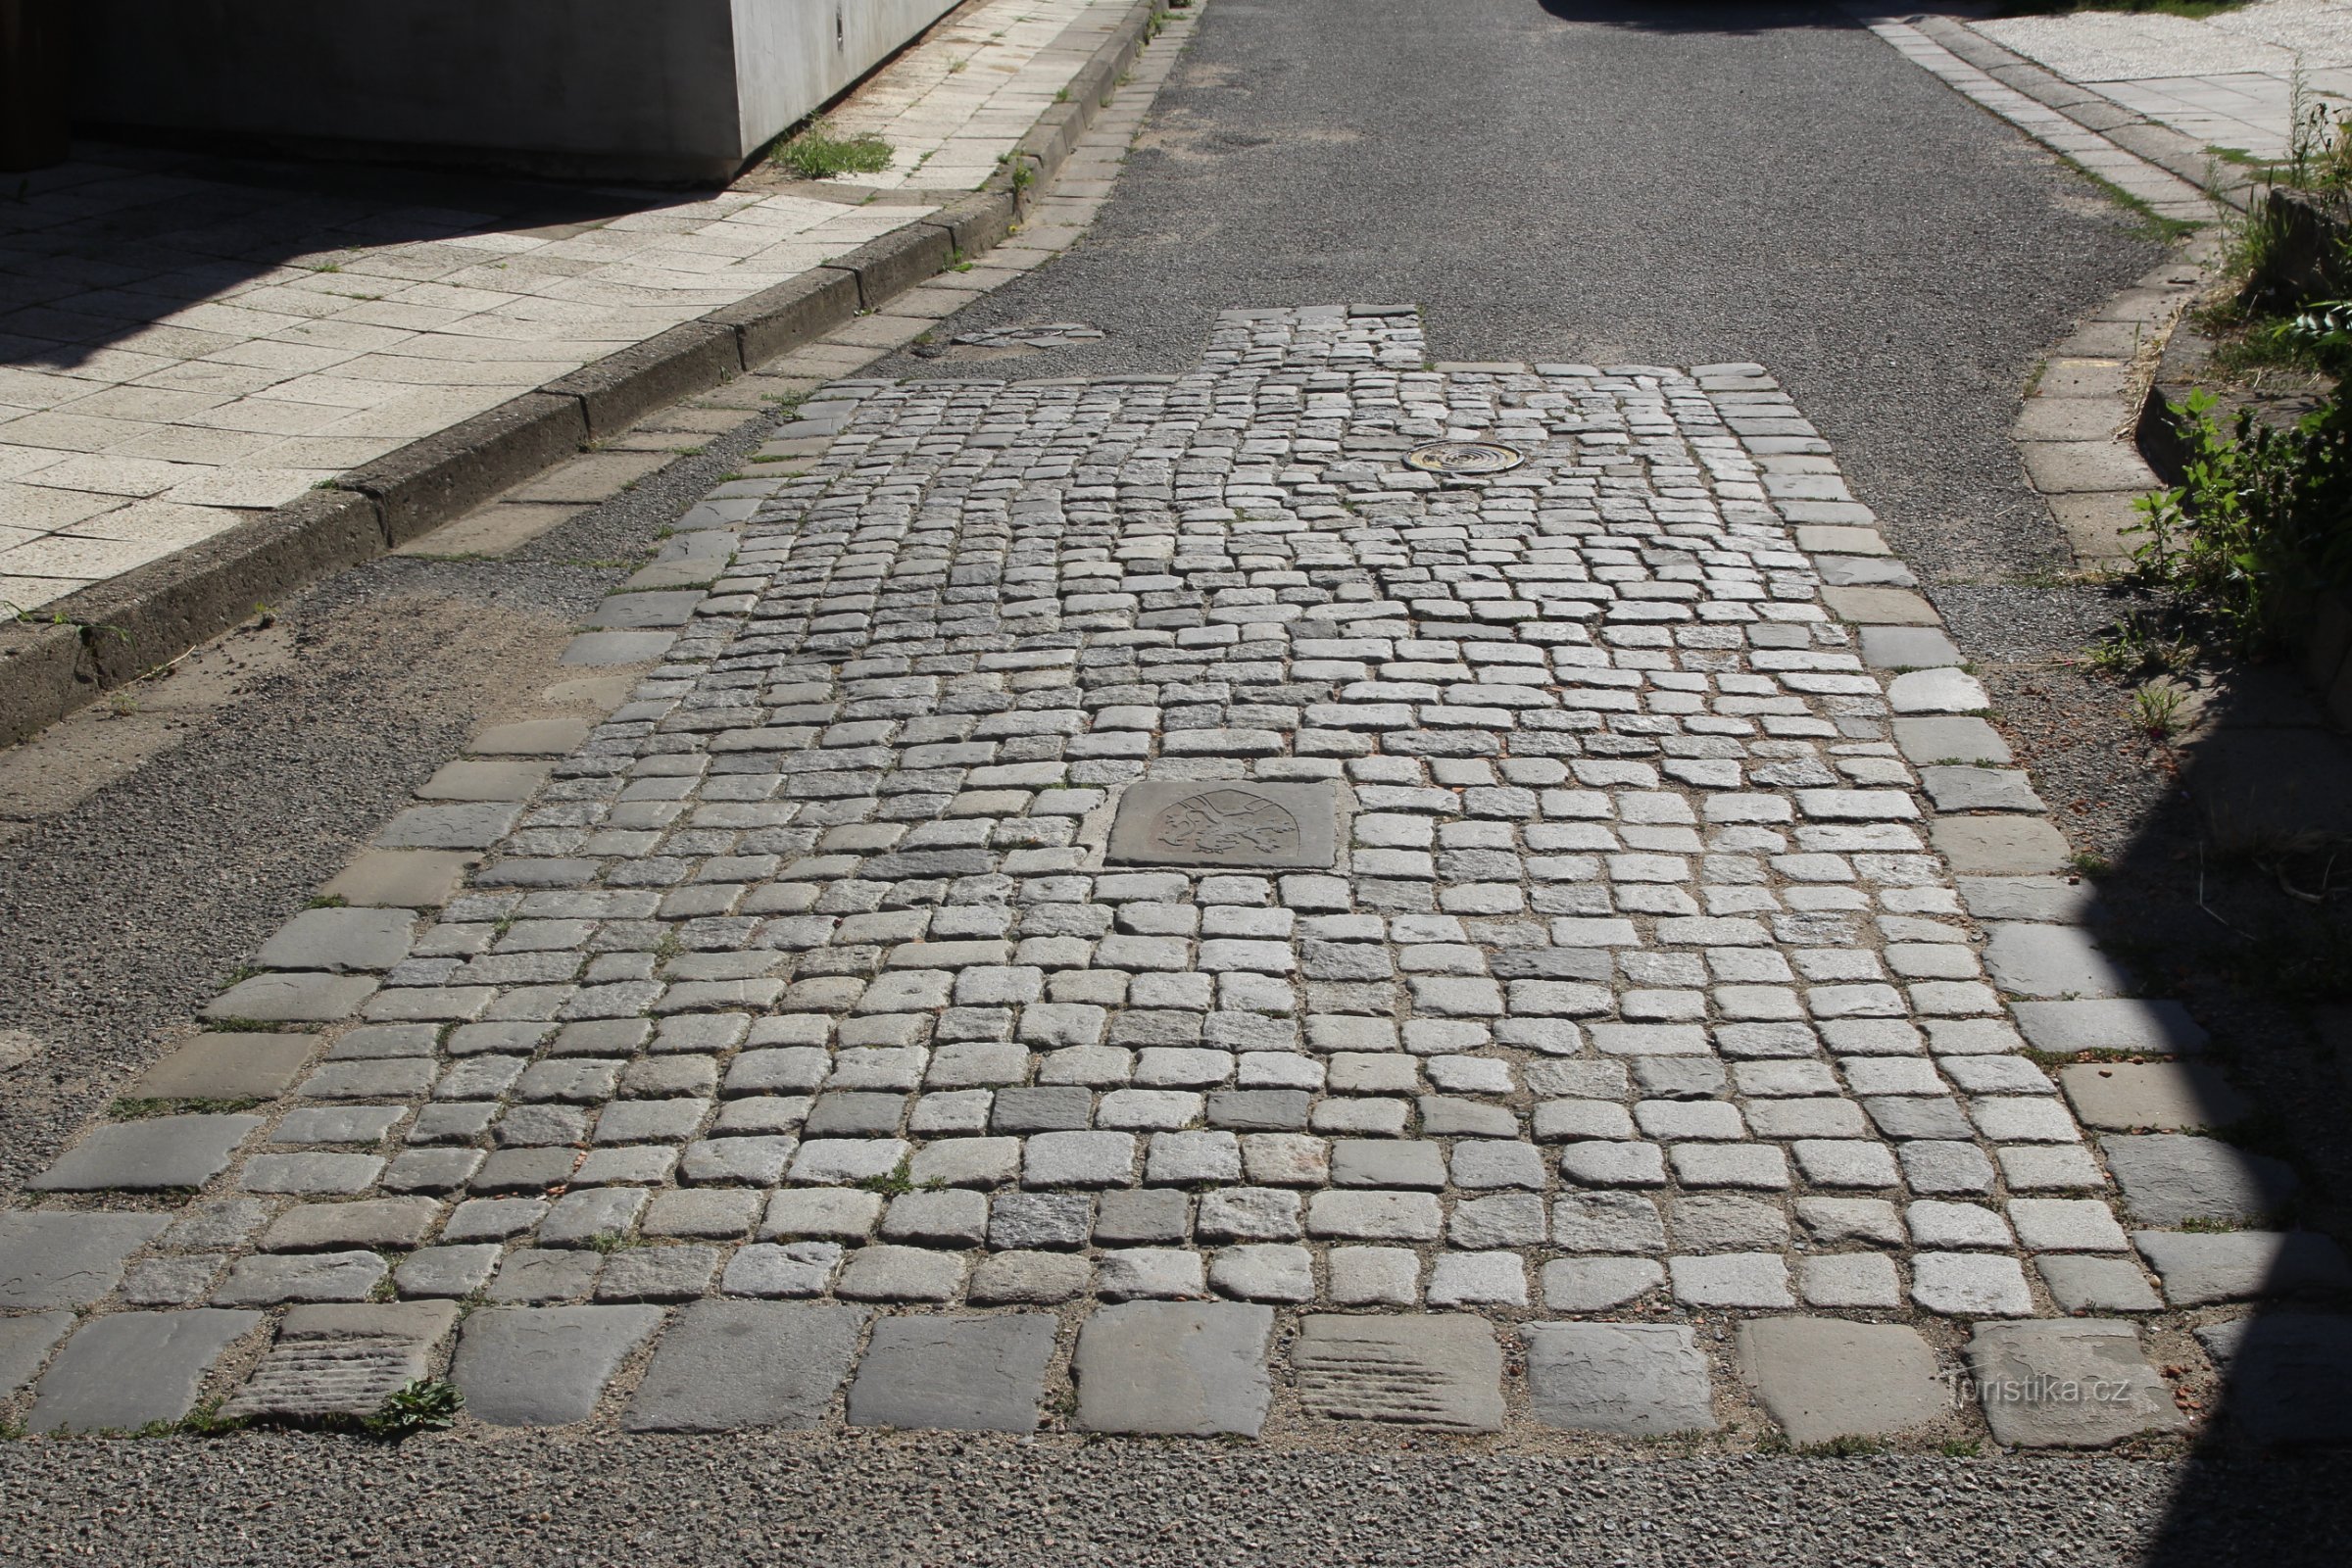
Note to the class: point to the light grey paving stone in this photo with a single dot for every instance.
(2051, 962)
(2067, 1225)
(324, 1175)
(1595, 1284)
(2055, 899)
(343, 1360)
(1831, 1220)
(336, 1124)
(1508, 1219)
(2200, 1269)
(1824, 1378)
(2075, 1384)
(2168, 1178)
(1979, 789)
(1419, 1369)
(1478, 1279)
(26, 1342)
(790, 1269)
(1373, 1276)
(124, 1370)
(719, 1213)
(1166, 1273)
(450, 1271)
(1387, 1162)
(1374, 1217)
(492, 1219)
(339, 939)
(2078, 1283)
(1607, 1222)
(223, 1065)
(2156, 1096)
(658, 1273)
(301, 998)
(473, 825)
(1193, 1369)
(1722, 1223)
(534, 1276)
(1041, 1279)
(267, 1281)
(547, 1366)
(1732, 1279)
(1848, 1279)
(1638, 1380)
(1938, 1224)
(1970, 1285)
(155, 1154)
(586, 1216)
(2133, 1025)
(1269, 1272)
(950, 1218)
(1907, 648)
(823, 1214)
(954, 1374)
(1932, 740)
(2000, 845)
(2287, 1377)
(381, 1224)
(1614, 1164)
(52, 1258)
(900, 1274)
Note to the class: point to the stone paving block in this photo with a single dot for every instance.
(2076, 1383)
(1438, 1369)
(2159, 1096)
(1036, 1278)
(1373, 1276)
(1998, 845)
(26, 1342)
(1636, 1380)
(55, 1260)
(2078, 1283)
(1970, 1285)
(1848, 1279)
(122, 1371)
(2200, 1269)
(292, 998)
(1191, 1369)
(2168, 1178)
(534, 1276)
(339, 939)
(383, 1223)
(1958, 742)
(449, 1271)
(1825, 1378)
(267, 1281)
(904, 1274)
(226, 1067)
(2130, 1025)
(1597, 1284)
(343, 1360)
(954, 1374)
(154, 1154)
(732, 1365)
(1732, 1279)
(409, 879)
(2051, 961)
(658, 1273)
(769, 1269)
(547, 1366)
(2286, 1377)
(310, 1173)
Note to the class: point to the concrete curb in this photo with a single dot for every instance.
(111, 633)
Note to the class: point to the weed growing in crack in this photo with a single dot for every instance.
(816, 153)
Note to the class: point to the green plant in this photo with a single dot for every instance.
(893, 1185)
(1846, 1445)
(427, 1404)
(1959, 1448)
(129, 1109)
(2156, 711)
(2088, 863)
(325, 901)
(819, 154)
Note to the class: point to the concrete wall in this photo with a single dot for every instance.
(671, 90)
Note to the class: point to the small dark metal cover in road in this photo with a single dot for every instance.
(1226, 822)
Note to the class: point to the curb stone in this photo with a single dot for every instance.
(112, 633)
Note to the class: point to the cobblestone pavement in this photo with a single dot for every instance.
(1131, 907)
(185, 343)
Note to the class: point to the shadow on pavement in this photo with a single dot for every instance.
(97, 252)
(1724, 15)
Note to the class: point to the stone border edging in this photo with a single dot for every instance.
(112, 633)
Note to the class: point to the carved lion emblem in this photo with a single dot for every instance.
(1227, 822)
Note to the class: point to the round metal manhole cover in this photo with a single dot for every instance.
(1460, 458)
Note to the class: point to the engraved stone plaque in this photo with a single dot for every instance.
(1227, 822)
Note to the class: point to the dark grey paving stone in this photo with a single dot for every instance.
(728, 1365)
(58, 1259)
(26, 1342)
(2286, 1377)
(266, 1281)
(1176, 1367)
(1823, 1378)
(144, 1157)
(1640, 1379)
(343, 1360)
(2076, 1383)
(954, 1374)
(2168, 1178)
(545, 1366)
(127, 1369)
(1418, 1369)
